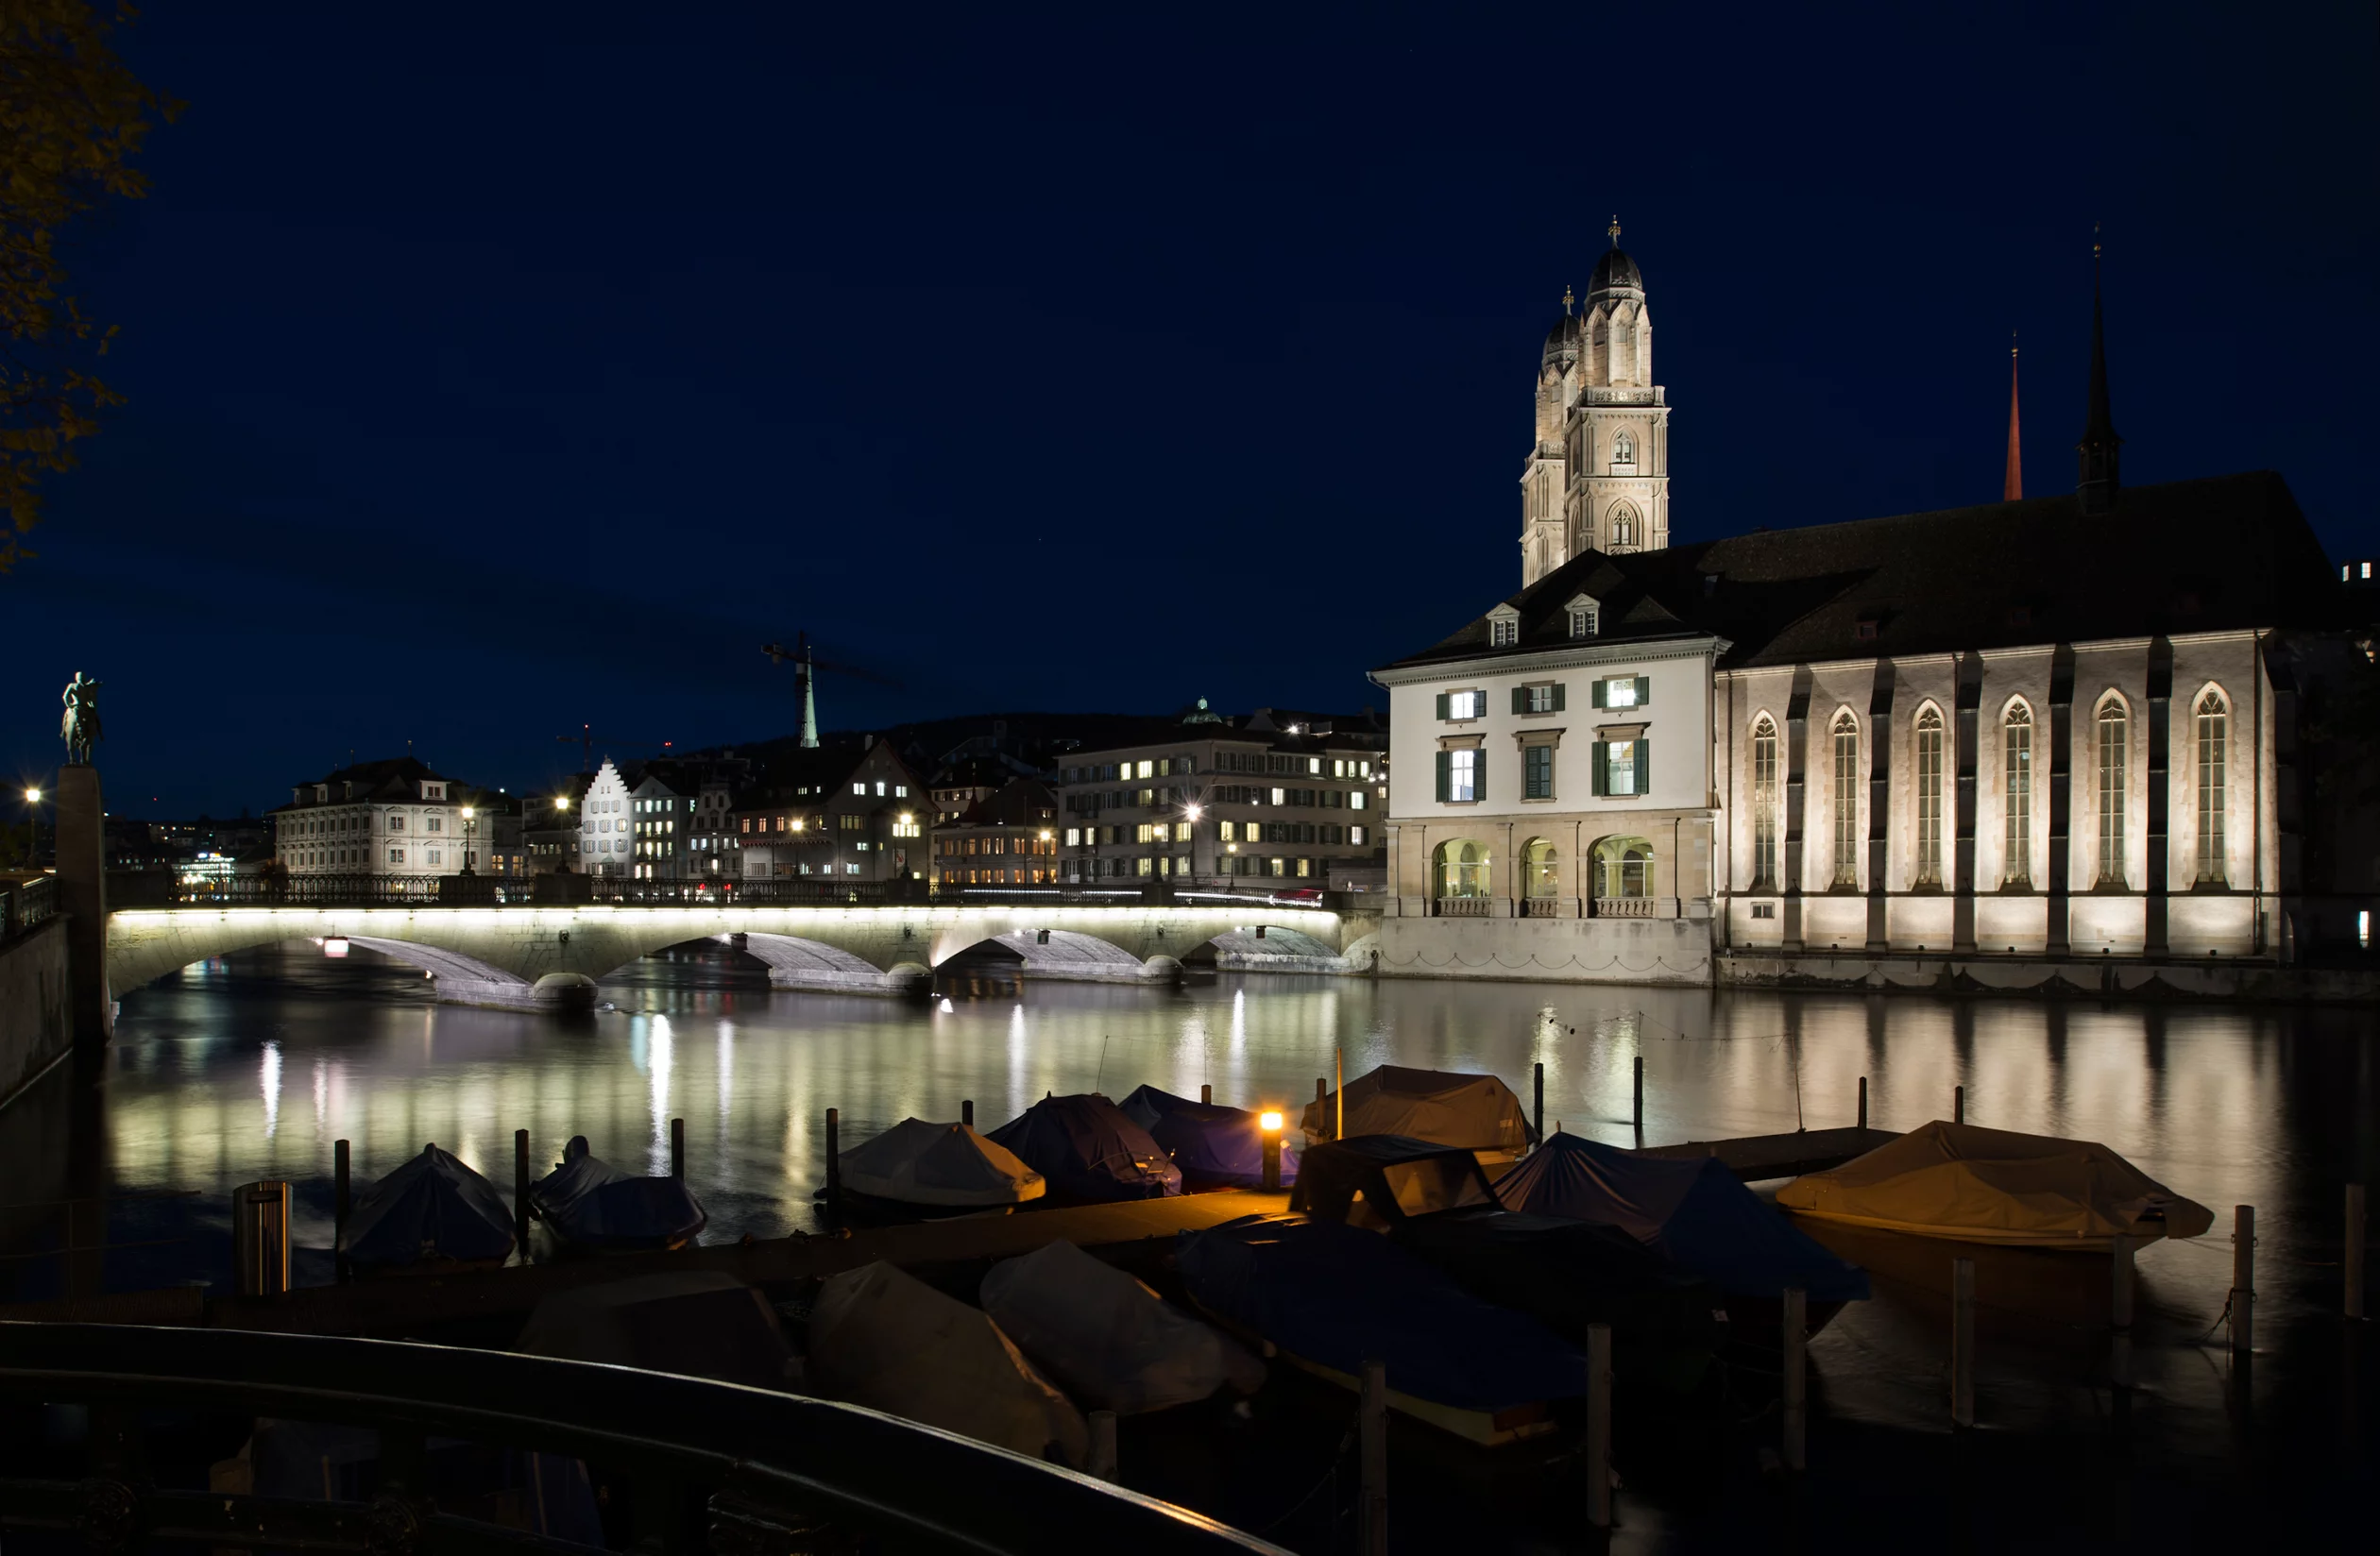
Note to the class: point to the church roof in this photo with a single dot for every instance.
(2222, 553)
(1615, 269)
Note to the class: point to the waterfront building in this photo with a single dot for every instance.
(1271, 801)
(549, 828)
(604, 838)
(1009, 838)
(394, 816)
(855, 813)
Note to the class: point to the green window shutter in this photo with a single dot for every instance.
(1558, 699)
(1644, 766)
(1441, 709)
(1445, 772)
(1597, 687)
(1645, 689)
(1519, 699)
(1600, 768)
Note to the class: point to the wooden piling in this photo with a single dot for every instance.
(1321, 1095)
(1958, 1104)
(1338, 1076)
(834, 1159)
(341, 1202)
(1537, 1118)
(520, 1193)
(1639, 1110)
(1962, 1341)
(1372, 1518)
(1272, 1161)
(1206, 1096)
(1599, 1425)
(966, 1112)
(677, 1147)
(260, 1238)
(1862, 1102)
(2354, 1259)
(1102, 1464)
(2243, 1293)
(1796, 1398)
(2119, 1311)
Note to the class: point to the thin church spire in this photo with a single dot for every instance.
(2013, 484)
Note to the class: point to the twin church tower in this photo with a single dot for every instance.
(1598, 477)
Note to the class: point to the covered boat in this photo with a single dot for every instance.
(880, 1337)
(1974, 1185)
(1436, 1202)
(433, 1211)
(1694, 1214)
(1329, 1297)
(1443, 1106)
(590, 1205)
(1088, 1151)
(920, 1165)
(695, 1323)
(1110, 1341)
(1216, 1147)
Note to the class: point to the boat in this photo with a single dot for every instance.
(1108, 1339)
(432, 1213)
(1215, 1146)
(693, 1323)
(1697, 1217)
(1328, 1297)
(1436, 1202)
(1996, 1185)
(880, 1337)
(590, 1206)
(919, 1167)
(1443, 1106)
(1088, 1151)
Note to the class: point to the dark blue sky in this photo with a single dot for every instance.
(493, 371)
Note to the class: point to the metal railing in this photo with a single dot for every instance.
(702, 1466)
(26, 903)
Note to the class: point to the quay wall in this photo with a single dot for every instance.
(36, 1021)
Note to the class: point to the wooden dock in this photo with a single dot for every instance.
(1754, 1156)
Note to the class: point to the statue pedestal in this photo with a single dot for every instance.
(82, 897)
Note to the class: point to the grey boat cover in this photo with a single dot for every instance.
(880, 1337)
(695, 1323)
(1109, 1341)
(1443, 1106)
(589, 1203)
(433, 1207)
(919, 1162)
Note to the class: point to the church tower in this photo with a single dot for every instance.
(1544, 481)
(1616, 437)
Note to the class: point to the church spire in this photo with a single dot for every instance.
(2101, 448)
(2013, 484)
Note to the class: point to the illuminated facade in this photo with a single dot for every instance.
(394, 816)
(831, 813)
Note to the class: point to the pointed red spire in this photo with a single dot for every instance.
(2013, 486)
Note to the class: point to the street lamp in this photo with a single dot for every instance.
(1269, 1122)
(467, 814)
(32, 828)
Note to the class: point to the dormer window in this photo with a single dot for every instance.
(1585, 617)
(1503, 627)
(433, 791)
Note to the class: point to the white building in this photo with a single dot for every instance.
(388, 817)
(606, 833)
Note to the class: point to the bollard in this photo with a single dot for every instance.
(1639, 1097)
(677, 1147)
(1206, 1096)
(1797, 1403)
(1962, 1341)
(1958, 1104)
(2243, 1292)
(1272, 1161)
(966, 1112)
(520, 1193)
(834, 1159)
(1371, 1515)
(341, 1202)
(2355, 1250)
(1599, 1425)
(1102, 1464)
(260, 1238)
(2119, 1311)
(1537, 1118)
(1862, 1102)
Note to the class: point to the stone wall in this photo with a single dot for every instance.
(35, 1024)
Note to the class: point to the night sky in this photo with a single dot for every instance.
(493, 371)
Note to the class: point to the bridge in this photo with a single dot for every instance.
(548, 954)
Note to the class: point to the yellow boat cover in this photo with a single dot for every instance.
(1955, 1180)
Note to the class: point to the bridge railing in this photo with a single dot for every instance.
(693, 1465)
(165, 889)
(26, 903)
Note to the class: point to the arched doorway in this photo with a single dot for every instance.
(1459, 866)
(1623, 878)
(1541, 878)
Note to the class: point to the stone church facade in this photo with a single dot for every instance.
(2027, 735)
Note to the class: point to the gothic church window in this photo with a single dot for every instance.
(2214, 720)
(1622, 449)
(2115, 732)
(1846, 800)
(2016, 731)
(1764, 803)
(1623, 527)
(1929, 797)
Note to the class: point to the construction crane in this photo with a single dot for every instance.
(805, 667)
(585, 740)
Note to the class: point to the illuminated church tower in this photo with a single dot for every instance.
(1598, 477)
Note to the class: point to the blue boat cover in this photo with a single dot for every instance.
(433, 1206)
(1340, 1296)
(1089, 1150)
(594, 1205)
(1210, 1142)
(1692, 1212)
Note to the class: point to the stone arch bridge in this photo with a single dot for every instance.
(550, 957)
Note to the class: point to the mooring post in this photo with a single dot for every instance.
(677, 1147)
(520, 1193)
(834, 1159)
(1599, 1425)
(966, 1112)
(1372, 1522)
(1206, 1096)
(1862, 1102)
(1962, 1341)
(1537, 1118)
(1272, 1179)
(341, 1201)
(1958, 1104)
(260, 1238)
(1321, 1095)
(1639, 1098)
(2355, 1250)
(2243, 1293)
(2119, 1311)
(1796, 1401)
(1102, 1464)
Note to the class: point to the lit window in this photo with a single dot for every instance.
(1227, 831)
(1356, 798)
(1462, 704)
(1074, 836)
(1626, 692)
(1458, 776)
(1929, 734)
(900, 792)
(2016, 732)
(1355, 836)
(1502, 632)
(858, 789)
(2115, 730)
(2213, 737)
(1623, 768)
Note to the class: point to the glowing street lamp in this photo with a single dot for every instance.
(1268, 1123)
(32, 826)
(469, 812)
